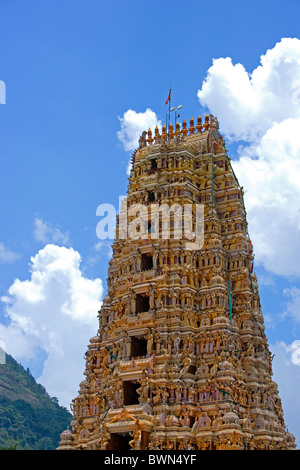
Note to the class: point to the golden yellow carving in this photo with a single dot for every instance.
(181, 359)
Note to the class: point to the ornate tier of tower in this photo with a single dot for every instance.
(181, 359)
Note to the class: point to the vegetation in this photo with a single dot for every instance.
(29, 418)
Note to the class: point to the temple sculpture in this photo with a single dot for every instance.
(180, 359)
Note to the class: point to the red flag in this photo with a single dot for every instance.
(169, 98)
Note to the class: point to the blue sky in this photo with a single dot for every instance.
(72, 70)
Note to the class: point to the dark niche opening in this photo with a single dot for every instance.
(142, 303)
(131, 397)
(147, 262)
(153, 164)
(192, 370)
(151, 196)
(119, 441)
(138, 347)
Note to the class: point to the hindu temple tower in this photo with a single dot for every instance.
(181, 359)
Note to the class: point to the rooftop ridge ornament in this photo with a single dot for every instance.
(168, 133)
(199, 124)
(184, 128)
(192, 127)
(150, 138)
(206, 123)
(164, 132)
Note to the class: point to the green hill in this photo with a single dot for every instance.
(29, 418)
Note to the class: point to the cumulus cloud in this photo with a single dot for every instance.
(248, 104)
(47, 233)
(133, 124)
(54, 311)
(261, 110)
(269, 173)
(7, 255)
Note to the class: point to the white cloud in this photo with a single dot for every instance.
(248, 104)
(263, 110)
(133, 124)
(6, 255)
(56, 311)
(269, 173)
(46, 233)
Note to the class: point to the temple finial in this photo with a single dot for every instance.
(150, 138)
(199, 124)
(184, 128)
(192, 126)
(206, 123)
(164, 132)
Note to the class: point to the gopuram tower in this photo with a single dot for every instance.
(181, 359)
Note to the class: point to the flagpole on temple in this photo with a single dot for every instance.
(170, 105)
(168, 100)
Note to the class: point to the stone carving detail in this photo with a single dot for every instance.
(181, 359)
